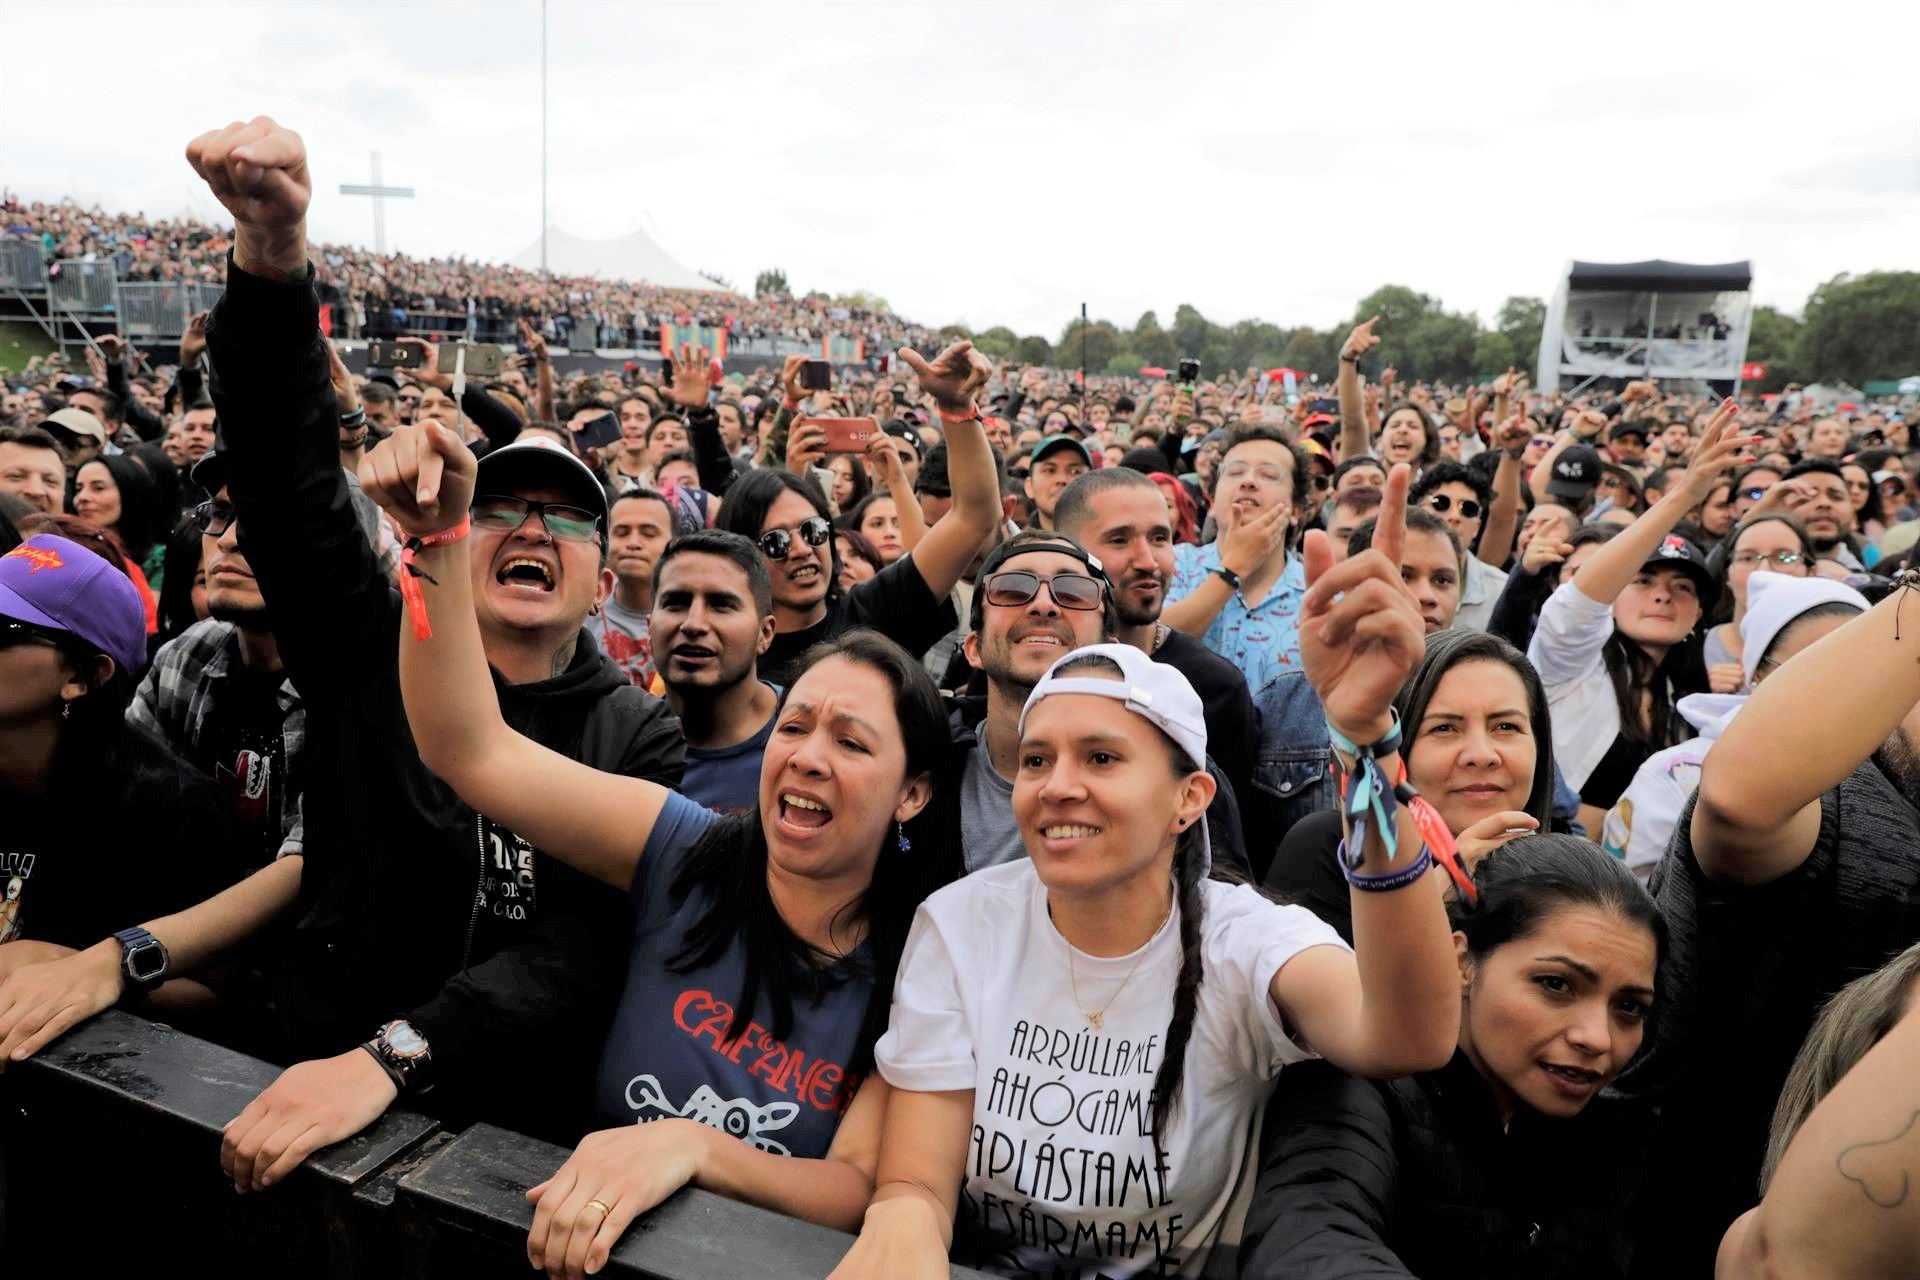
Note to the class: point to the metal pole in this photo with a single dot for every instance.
(543, 137)
(1083, 364)
(379, 211)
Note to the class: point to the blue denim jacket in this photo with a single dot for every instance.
(1291, 767)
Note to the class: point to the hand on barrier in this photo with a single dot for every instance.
(312, 1105)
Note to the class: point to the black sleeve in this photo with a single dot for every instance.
(716, 469)
(1517, 608)
(1169, 447)
(1328, 1169)
(557, 989)
(499, 424)
(329, 605)
(147, 424)
(1223, 823)
(187, 385)
(1304, 872)
(897, 603)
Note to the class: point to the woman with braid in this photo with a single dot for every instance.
(1081, 1040)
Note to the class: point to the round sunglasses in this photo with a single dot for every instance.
(777, 544)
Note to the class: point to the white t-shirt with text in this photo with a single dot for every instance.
(1062, 1179)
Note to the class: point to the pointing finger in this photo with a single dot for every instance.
(1390, 534)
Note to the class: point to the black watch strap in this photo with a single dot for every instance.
(143, 960)
(1228, 576)
(393, 1073)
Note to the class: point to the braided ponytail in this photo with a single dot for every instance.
(1189, 870)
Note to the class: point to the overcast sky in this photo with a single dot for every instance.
(999, 163)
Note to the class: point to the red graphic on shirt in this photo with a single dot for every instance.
(37, 557)
(632, 654)
(822, 1085)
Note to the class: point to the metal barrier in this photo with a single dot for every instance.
(23, 266)
(159, 310)
(109, 1144)
(82, 288)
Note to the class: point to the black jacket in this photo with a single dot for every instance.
(411, 904)
(1378, 1179)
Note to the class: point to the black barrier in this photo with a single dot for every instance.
(109, 1144)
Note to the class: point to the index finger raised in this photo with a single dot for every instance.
(1390, 533)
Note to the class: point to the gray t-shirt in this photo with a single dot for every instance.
(989, 835)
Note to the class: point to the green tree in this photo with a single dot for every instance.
(1312, 352)
(1440, 347)
(1103, 342)
(1859, 328)
(996, 343)
(1033, 349)
(1520, 320)
(1774, 340)
(1493, 353)
(1154, 344)
(772, 280)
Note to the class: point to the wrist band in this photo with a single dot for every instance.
(1389, 881)
(971, 415)
(409, 572)
(789, 403)
(1365, 793)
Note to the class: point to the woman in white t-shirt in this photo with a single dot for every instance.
(1081, 1042)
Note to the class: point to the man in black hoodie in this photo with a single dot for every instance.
(430, 948)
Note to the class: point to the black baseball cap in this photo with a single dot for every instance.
(1625, 428)
(1575, 472)
(901, 430)
(1679, 552)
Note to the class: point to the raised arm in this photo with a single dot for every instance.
(1354, 440)
(1606, 574)
(543, 404)
(1503, 521)
(690, 389)
(1758, 815)
(1586, 428)
(595, 822)
(954, 378)
(1392, 1006)
(1842, 1204)
(1244, 547)
(884, 457)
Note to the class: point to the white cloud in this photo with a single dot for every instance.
(1003, 162)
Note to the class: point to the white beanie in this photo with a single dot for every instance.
(1774, 600)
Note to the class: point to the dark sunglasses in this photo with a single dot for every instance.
(1441, 502)
(505, 514)
(210, 519)
(14, 632)
(1017, 587)
(777, 544)
(1753, 495)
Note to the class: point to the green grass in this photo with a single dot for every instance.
(20, 342)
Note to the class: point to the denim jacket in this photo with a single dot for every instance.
(1295, 754)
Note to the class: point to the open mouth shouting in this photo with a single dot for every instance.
(525, 573)
(801, 814)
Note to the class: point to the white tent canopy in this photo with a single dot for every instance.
(634, 256)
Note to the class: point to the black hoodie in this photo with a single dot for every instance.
(411, 904)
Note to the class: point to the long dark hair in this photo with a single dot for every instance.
(1447, 650)
(1190, 869)
(1525, 880)
(1681, 670)
(144, 518)
(744, 511)
(1430, 450)
(728, 866)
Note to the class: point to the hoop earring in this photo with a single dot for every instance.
(900, 837)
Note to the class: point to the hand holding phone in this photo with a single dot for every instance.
(598, 433)
(816, 375)
(845, 435)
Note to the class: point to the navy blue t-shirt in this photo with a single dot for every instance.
(668, 1053)
(727, 779)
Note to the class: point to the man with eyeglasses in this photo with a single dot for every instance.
(1463, 499)
(430, 946)
(1039, 595)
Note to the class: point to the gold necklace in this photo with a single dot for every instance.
(1095, 1016)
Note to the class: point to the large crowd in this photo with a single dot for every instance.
(378, 295)
(1148, 827)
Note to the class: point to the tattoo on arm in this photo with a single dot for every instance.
(563, 658)
(1880, 1170)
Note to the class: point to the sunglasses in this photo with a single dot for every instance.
(13, 632)
(1540, 442)
(1780, 559)
(505, 514)
(210, 519)
(1017, 587)
(1442, 503)
(777, 544)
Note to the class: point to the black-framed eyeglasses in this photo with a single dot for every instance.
(1443, 502)
(777, 544)
(1017, 587)
(211, 519)
(505, 513)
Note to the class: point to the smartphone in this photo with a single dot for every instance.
(392, 355)
(598, 433)
(846, 435)
(715, 374)
(1324, 405)
(484, 359)
(816, 375)
(886, 362)
(1189, 371)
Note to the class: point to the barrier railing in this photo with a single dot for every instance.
(109, 1146)
(81, 287)
(23, 266)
